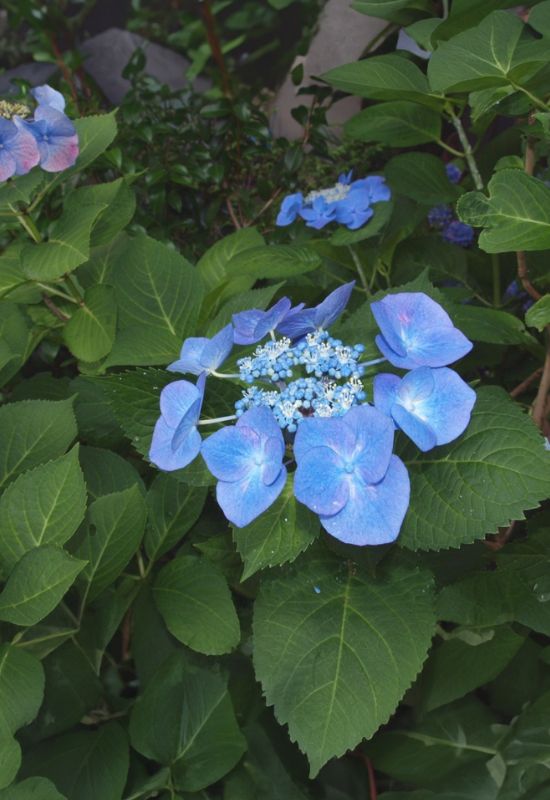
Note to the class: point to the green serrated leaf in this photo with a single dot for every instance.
(277, 261)
(20, 189)
(116, 525)
(33, 431)
(90, 332)
(119, 205)
(43, 506)
(105, 472)
(36, 585)
(538, 316)
(212, 267)
(158, 295)
(397, 124)
(67, 247)
(173, 508)
(335, 650)
(495, 53)
(32, 789)
(278, 535)
(421, 177)
(488, 476)
(388, 77)
(205, 621)
(95, 134)
(209, 744)
(516, 215)
(84, 765)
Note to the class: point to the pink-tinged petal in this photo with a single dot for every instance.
(25, 152)
(59, 153)
(7, 165)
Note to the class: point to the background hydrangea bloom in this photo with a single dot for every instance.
(417, 332)
(247, 459)
(432, 406)
(200, 354)
(176, 441)
(290, 208)
(347, 474)
(18, 150)
(251, 326)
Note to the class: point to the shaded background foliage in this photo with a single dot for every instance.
(149, 650)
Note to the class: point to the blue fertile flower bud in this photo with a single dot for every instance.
(18, 150)
(458, 233)
(432, 406)
(347, 474)
(300, 321)
(200, 354)
(454, 173)
(247, 459)
(251, 326)
(440, 216)
(176, 441)
(417, 332)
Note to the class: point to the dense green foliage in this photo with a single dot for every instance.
(147, 647)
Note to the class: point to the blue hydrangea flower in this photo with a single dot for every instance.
(290, 208)
(200, 354)
(375, 187)
(417, 332)
(18, 150)
(55, 137)
(432, 406)
(251, 326)
(454, 173)
(440, 216)
(300, 321)
(354, 210)
(176, 441)
(347, 474)
(458, 233)
(247, 459)
(46, 96)
(319, 213)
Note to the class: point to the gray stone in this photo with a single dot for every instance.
(36, 74)
(107, 54)
(342, 37)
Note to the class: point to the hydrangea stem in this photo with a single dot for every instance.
(27, 223)
(224, 374)
(468, 151)
(217, 419)
(359, 268)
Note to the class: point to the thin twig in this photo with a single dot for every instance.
(539, 406)
(467, 147)
(524, 385)
(215, 45)
(54, 309)
(264, 208)
(523, 269)
(232, 214)
(501, 537)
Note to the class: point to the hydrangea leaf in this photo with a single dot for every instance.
(105, 472)
(496, 470)
(336, 650)
(173, 508)
(95, 134)
(277, 261)
(68, 244)
(209, 744)
(382, 214)
(116, 525)
(84, 765)
(21, 188)
(388, 77)
(538, 316)
(492, 54)
(45, 505)
(397, 124)
(421, 177)
(278, 535)
(398, 11)
(120, 205)
(515, 215)
(212, 267)
(195, 603)
(37, 584)
(32, 789)
(21, 693)
(17, 340)
(458, 666)
(90, 332)
(158, 294)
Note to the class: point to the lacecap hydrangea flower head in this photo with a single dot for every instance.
(304, 411)
(45, 138)
(348, 203)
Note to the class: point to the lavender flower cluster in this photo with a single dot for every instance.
(304, 409)
(442, 217)
(47, 138)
